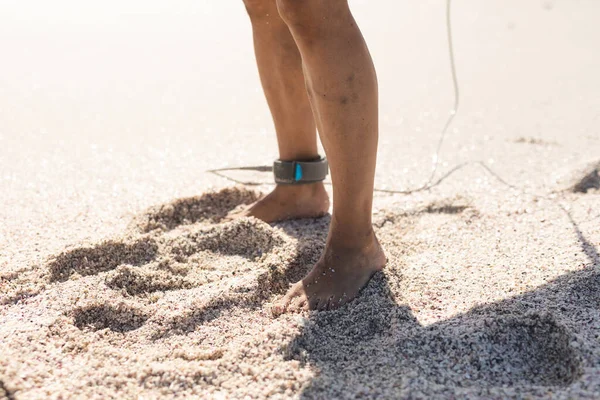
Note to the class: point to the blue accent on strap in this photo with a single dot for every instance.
(298, 174)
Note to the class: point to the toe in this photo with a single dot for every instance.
(336, 303)
(293, 301)
(313, 303)
(279, 306)
(299, 304)
(325, 304)
(231, 216)
(276, 310)
(341, 302)
(332, 303)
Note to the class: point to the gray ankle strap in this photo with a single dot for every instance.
(299, 172)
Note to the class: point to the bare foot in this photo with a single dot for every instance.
(288, 202)
(335, 279)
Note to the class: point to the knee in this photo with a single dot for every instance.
(296, 12)
(260, 8)
(308, 17)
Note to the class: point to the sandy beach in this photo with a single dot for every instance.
(120, 279)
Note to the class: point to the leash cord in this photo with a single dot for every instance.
(430, 182)
(436, 157)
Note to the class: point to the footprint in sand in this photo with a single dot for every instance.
(210, 208)
(177, 247)
(146, 279)
(103, 257)
(179, 289)
(503, 348)
(163, 243)
(117, 318)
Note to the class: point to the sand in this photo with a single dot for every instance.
(119, 279)
(477, 300)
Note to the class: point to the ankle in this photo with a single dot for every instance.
(304, 190)
(361, 240)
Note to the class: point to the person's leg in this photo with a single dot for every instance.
(342, 88)
(280, 70)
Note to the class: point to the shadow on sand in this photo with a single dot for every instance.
(373, 347)
(537, 342)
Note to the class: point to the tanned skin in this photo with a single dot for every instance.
(317, 73)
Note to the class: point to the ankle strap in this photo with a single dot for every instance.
(299, 172)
